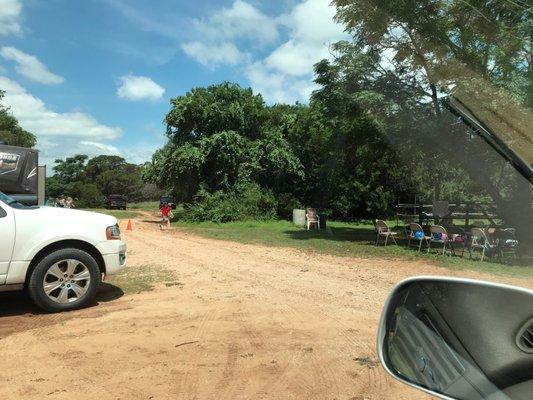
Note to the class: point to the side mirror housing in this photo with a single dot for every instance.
(459, 339)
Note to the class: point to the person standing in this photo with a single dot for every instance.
(166, 210)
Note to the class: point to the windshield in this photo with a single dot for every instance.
(6, 199)
(275, 168)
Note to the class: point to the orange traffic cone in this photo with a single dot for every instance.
(130, 226)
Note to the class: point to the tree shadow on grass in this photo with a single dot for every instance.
(19, 303)
(367, 236)
(339, 234)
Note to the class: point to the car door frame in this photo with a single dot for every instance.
(6, 214)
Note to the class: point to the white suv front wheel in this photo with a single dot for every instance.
(64, 280)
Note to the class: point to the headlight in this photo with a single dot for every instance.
(112, 232)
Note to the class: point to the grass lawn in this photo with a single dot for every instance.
(151, 206)
(143, 278)
(118, 214)
(134, 210)
(347, 239)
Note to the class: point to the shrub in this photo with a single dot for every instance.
(84, 194)
(286, 203)
(247, 201)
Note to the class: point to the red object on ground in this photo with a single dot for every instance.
(130, 226)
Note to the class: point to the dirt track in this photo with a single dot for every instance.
(234, 321)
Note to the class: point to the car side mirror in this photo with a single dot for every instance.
(459, 339)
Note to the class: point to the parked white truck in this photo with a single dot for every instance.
(58, 255)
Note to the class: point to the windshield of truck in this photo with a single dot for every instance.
(6, 199)
(11, 201)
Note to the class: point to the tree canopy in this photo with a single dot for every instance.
(224, 141)
(90, 180)
(10, 131)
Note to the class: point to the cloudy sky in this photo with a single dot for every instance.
(96, 76)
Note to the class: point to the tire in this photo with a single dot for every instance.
(73, 275)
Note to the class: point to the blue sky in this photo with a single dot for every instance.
(96, 76)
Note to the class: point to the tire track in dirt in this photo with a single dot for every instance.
(375, 378)
(319, 371)
(188, 381)
(259, 285)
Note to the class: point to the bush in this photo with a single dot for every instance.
(247, 201)
(286, 203)
(84, 194)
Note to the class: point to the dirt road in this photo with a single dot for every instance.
(227, 321)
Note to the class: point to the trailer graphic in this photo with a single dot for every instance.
(8, 162)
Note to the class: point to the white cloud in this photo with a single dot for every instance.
(30, 67)
(136, 88)
(58, 134)
(163, 24)
(240, 21)
(36, 117)
(277, 87)
(211, 55)
(312, 30)
(286, 73)
(102, 148)
(51, 150)
(10, 11)
(142, 152)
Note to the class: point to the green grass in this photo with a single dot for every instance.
(143, 278)
(118, 214)
(151, 206)
(345, 239)
(134, 210)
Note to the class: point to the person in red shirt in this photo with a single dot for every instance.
(166, 210)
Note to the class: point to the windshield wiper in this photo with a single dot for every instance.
(459, 109)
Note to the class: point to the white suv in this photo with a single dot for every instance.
(58, 255)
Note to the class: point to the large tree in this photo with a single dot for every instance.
(71, 169)
(434, 44)
(290, 155)
(91, 179)
(409, 54)
(219, 141)
(10, 130)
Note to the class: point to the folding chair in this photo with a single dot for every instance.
(480, 241)
(383, 230)
(438, 234)
(414, 228)
(507, 243)
(457, 237)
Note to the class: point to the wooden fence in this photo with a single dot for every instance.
(467, 212)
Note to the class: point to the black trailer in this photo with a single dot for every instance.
(19, 173)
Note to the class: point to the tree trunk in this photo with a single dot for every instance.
(435, 99)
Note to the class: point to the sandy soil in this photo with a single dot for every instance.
(234, 321)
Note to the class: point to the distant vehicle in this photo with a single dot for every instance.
(168, 200)
(58, 255)
(116, 201)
